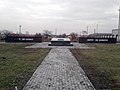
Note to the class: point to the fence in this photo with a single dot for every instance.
(23, 38)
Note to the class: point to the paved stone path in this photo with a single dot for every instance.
(59, 71)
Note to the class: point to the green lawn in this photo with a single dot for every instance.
(17, 64)
(102, 65)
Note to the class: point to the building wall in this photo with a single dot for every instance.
(115, 31)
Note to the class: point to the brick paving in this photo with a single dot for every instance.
(59, 71)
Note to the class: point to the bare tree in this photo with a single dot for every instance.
(84, 32)
(47, 35)
(4, 33)
(47, 32)
(73, 35)
(62, 35)
(38, 34)
(27, 32)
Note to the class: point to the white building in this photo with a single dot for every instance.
(115, 32)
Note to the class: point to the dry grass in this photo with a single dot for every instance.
(102, 65)
(17, 64)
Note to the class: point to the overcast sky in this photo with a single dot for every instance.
(65, 15)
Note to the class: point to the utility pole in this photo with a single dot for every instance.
(97, 28)
(119, 27)
(87, 29)
(94, 31)
(20, 28)
(55, 31)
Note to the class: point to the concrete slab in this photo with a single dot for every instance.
(59, 71)
(45, 45)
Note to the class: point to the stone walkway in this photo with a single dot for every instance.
(59, 71)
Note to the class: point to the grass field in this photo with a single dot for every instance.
(17, 64)
(102, 65)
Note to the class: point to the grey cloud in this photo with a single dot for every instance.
(63, 14)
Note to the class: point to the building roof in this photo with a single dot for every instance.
(23, 35)
(101, 34)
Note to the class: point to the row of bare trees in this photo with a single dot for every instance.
(47, 35)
